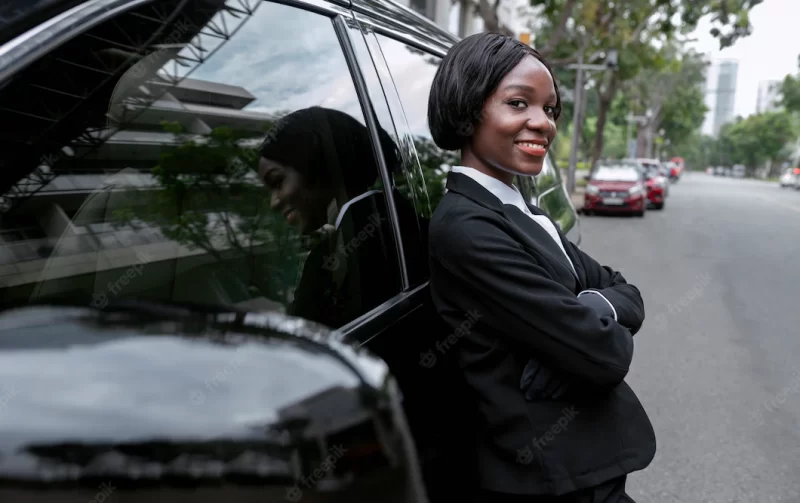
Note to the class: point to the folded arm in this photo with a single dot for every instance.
(608, 284)
(517, 299)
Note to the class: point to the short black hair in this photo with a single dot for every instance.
(326, 145)
(468, 75)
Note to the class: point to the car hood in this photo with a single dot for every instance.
(85, 394)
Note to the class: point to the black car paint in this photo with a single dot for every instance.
(148, 404)
(72, 465)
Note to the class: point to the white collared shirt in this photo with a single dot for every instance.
(512, 196)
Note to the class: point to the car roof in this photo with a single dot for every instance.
(19, 16)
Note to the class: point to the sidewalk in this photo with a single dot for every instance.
(577, 199)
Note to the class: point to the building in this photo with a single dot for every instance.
(720, 92)
(768, 96)
(725, 93)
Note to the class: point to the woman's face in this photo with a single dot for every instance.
(300, 203)
(517, 124)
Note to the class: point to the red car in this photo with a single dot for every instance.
(655, 192)
(616, 188)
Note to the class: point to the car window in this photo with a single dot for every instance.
(616, 174)
(412, 72)
(548, 177)
(231, 169)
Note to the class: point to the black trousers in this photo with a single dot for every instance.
(612, 491)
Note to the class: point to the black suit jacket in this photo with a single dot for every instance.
(506, 288)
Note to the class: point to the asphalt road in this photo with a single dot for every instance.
(717, 363)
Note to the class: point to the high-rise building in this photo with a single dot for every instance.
(725, 93)
(768, 96)
(720, 93)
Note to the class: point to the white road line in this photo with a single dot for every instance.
(796, 209)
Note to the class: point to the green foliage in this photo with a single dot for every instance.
(683, 113)
(758, 138)
(751, 141)
(208, 197)
(790, 91)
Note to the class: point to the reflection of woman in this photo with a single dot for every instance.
(320, 167)
(547, 332)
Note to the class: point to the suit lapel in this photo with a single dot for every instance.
(533, 233)
(578, 272)
(537, 237)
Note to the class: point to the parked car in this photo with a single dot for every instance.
(738, 171)
(616, 188)
(657, 188)
(657, 180)
(677, 167)
(790, 177)
(673, 171)
(140, 247)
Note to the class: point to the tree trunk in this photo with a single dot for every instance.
(649, 138)
(641, 141)
(604, 105)
(599, 138)
(560, 30)
(487, 9)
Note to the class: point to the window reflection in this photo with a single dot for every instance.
(166, 175)
(413, 71)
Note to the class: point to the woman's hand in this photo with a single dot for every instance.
(541, 383)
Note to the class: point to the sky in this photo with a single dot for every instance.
(769, 53)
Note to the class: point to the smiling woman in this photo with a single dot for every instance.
(555, 331)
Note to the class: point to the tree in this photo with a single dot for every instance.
(789, 91)
(653, 88)
(756, 140)
(683, 113)
(634, 28)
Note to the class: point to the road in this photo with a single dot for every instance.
(717, 363)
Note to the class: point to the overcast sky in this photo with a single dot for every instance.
(769, 53)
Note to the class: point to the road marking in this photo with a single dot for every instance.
(796, 209)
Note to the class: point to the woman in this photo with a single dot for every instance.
(320, 167)
(549, 335)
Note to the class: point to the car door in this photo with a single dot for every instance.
(552, 197)
(417, 347)
(184, 152)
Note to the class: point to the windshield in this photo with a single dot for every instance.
(201, 182)
(616, 174)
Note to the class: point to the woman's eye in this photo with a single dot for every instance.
(517, 103)
(550, 110)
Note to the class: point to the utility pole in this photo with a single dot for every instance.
(578, 96)
(576, 112)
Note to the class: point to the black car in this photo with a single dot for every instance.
(213, 253)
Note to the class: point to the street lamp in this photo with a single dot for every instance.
(610, 64)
